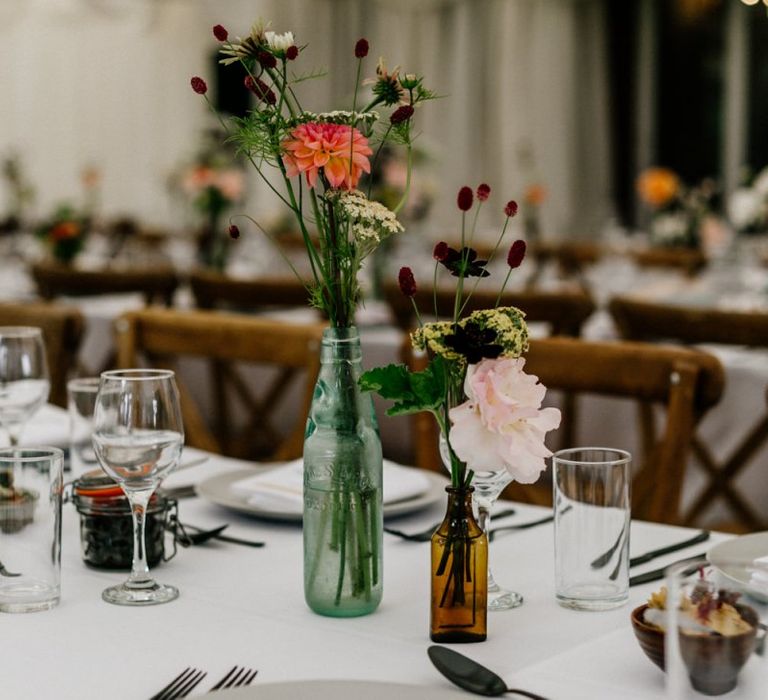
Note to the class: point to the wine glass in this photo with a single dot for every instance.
(137, 438)
(24, 382)
(488, 485)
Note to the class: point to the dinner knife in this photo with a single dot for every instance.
(657, 574)
(703, 536)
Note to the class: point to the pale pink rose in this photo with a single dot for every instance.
(230, 182)
(502, 422)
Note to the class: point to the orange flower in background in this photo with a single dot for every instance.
(658, 186)
(65, 230)
(327, 147)
(535, 194)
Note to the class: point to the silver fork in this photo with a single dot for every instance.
(235, 678)
(181, 686)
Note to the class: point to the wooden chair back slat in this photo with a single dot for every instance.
(62, 328)
(223, 338)
(213, 290)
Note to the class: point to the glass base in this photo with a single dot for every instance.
(593, 602)
(28, 595)
(150, 593)
(502, 599)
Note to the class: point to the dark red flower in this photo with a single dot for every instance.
(267, 60)
(234, 232)
(406, 281)
(464, 199)
(361, 48)
(483, 192)
(259, 88)
(440, 253)
(198, 85)
(292, 53)
(511, 208)
(220, 33)
(401, 114)
(516, 254)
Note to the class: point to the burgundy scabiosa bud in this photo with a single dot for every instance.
(406, 281)
(198, 85)
(483, 192)
(259, 88)
(464, 199)
(516, 254)
(234, 232)
(220, 33)
(292, 53)
(361, 48)
(401, 114)
(511, 208)
(267, 60)
(440, 253)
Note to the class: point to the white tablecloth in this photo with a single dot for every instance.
(245, 606)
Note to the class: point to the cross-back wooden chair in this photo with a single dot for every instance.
(564, 313)
(62, 328)
(571, 257)
(162, 337)
(157, 284)
(686, 382)
(687, 260)
(640, 320)
(213, 290)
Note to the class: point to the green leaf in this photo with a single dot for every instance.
(412, 392)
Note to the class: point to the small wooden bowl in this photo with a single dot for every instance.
(713, 661)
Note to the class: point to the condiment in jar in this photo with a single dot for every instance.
(106, 524)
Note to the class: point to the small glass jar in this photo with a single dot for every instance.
(106, 525)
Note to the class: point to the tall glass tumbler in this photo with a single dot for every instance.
(81, 403)
(592, 521)
(31, 484)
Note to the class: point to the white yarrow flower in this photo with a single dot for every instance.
(744, 207)
(370, 222)
(279, 42)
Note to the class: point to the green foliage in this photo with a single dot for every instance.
(412, 392)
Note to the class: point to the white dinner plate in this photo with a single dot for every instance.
(733, 557)
(340, 690)
(218, 489)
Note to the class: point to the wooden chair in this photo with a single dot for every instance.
(213, 290)
(54, 280)
(571, 257)
(686, 382)
(62, 328)
(164, 336)
(687, 260)
(640, 320)
(564, 312)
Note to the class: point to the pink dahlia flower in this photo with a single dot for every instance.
(315, 146)
(502, 422)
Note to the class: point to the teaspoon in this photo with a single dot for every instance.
(470, 675)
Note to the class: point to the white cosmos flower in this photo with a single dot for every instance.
(279, 42)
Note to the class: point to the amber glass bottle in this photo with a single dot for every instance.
(459, 574)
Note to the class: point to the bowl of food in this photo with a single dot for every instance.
(716, 634)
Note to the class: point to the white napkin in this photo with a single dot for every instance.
(282, 489)
(759, 575)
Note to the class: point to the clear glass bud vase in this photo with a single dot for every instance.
(459, 585)
(342, 486)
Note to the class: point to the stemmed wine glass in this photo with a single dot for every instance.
(137, 438)
(24, 382)
(488, 485)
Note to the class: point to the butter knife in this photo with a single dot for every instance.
(658, 574)
(703, 536)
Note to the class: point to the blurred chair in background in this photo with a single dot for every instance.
(647, 321)
(687, 260)
(572, 258)
(158, 284)
(238, 422)
(213, 290)
(62, 328)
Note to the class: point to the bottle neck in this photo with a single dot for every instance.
(341, 345)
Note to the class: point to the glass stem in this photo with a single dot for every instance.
(484, 521)
(139, 577)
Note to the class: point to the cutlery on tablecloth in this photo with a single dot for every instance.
(703, 536)
(658, 574)
(5, 572)
(470, 675)
(426, 535)
(520, 526)
(236, 677)
(180, 686)
(225, 538)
